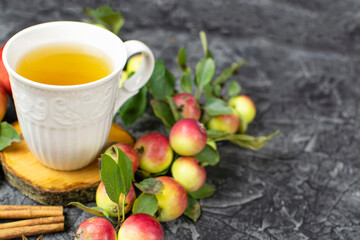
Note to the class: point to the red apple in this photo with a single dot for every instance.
(244, 107)
(154, 151)
(187, 105)
(188, 137)
(129, 152)
(141, 226)
(3, 103)
(103, 201)
(227, 123)
(95, 228)
(188, 172)
(172, 200)
(4, 76)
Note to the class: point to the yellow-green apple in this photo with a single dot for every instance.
(172, 200)
(188, 172)
(134, 63)
(4, 76)
(124, 77)
(103, 201)
(155, 153)
(95, 228)
(188, 137)
(141, 226)
(129, 152)
(3, 103)
(244, 107)
(227, 123)
(187, 105)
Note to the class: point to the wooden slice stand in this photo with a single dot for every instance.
(50, 187)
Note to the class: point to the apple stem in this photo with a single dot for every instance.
(123, 209)
(112, 221)
(119, 218)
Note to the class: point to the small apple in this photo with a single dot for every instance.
(124, 77)
(172, 200)
(134, 63)
(188, 172)
(154, 151)
(188, 137)
(94, 229)
(129, 152)
(141, 226)
(244, 107)
(3, 103)
(4, 76)
(227, 123)
(103, 201)
(187, 105)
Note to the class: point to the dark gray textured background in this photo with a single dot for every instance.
(303, 76)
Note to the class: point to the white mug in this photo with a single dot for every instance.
(65, 127)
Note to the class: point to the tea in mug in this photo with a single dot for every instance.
(64, 64)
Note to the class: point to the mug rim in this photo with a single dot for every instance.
(11, 71)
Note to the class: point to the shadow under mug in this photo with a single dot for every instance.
(65, 127)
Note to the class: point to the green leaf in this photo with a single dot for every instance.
(208, 156)
(205, 70)
(227, 73)
(110, 176)
(209, 92)
(193, 209)
(216, 106)
(92, 210)
(106, 17)
(247, 141)
(126, 171)
(145, 203)
(117, 177)
(177, 115)
(150, 186)
(114, 21)
(134, 107)
(204, 44)
(215, 133)
(162, 110)
(234, 88)
(217, 90)
(205, 191)
(8, 134)
(185, 82)
(162, 82)
(182, 59)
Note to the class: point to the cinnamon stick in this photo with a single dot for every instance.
(32, 222)
(25, 212)
(31, 230)
(26, 207)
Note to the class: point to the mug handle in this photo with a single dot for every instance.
(132, 85)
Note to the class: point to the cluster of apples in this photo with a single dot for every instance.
(138, 226)
(243, 110)
(154, 153)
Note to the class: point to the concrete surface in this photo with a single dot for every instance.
(303, 76)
